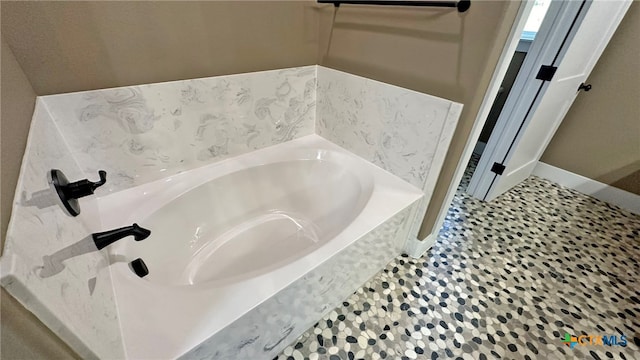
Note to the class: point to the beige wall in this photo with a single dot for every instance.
(72, 46)
(16, 107)
(600, 136)
(435, 51)
(25, 337)
(64, 46)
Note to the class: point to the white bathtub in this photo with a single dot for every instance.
(227, 236)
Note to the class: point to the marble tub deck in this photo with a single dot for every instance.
(505, 280)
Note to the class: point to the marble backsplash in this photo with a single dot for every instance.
(147, 132)
(402, 131)
(77, 302)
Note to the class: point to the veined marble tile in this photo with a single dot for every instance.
(78, 302)
(147, 132)
(267, 329)
(404, 132)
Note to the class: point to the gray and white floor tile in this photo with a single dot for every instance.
(506, 279)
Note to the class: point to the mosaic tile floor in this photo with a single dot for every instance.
(505, 280)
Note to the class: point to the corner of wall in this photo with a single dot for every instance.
(405, 132)
(18, 102)
(459, 154)
(416, 248)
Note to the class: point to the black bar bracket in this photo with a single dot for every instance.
(462, 5)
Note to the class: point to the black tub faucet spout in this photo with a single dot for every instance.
(106, 238)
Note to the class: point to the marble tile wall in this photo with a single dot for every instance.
(263, 332)
(404, 132)
(77, 303)
(144, 133)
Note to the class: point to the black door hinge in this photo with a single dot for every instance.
(497, 168)
(546, 72)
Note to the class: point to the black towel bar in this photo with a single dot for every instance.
(462, 5)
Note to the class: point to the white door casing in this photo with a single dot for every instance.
(521, 148)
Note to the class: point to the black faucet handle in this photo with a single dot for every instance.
(103, 179)
(69, 192)
(85, 187)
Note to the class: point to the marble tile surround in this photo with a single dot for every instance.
(147, 132)
(404, 132)
(78, 303)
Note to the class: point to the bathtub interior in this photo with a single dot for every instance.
(260, 217)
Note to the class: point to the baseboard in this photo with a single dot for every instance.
(596, 189)
(416, 248)
(479, 148)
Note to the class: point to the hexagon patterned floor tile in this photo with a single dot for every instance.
(530, 275)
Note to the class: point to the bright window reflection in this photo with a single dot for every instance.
(538, 12)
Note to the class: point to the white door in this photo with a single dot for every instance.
(571, 38)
